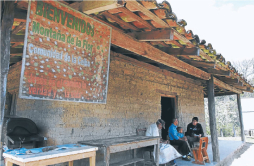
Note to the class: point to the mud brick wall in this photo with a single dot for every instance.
(134, 96)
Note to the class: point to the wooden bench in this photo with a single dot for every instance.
(119, 144)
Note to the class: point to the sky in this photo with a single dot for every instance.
(227, 24)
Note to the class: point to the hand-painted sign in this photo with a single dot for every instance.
(66, 55)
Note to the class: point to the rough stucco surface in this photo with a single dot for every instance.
(133, 102)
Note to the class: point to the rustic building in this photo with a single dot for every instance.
(157, 70)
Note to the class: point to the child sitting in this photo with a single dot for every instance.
(180, 132)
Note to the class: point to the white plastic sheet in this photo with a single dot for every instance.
(167, 151)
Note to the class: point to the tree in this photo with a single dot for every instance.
(245, 67)
(227, 116)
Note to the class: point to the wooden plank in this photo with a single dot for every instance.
(134, 16)
(19, 20)
(127, 162)
(56, 160)
(16, 44)
(16, 51)
(157, 35)
(174, 42)
(7, 17)
(201, 63)
(70, 163)
(229, 80)
(139, 7)
(181, 51)
(157, 152)
(17, 38)
(132, 145)
(212, 119)
(18, 28)
(92, 161)
(8, 163)
(148, 51)
(134, 155)
(120, 21)
(219, 72)
(223, 85)
(96, 6)
(107, 23)
(106, 156)
(240, 117)
(182, 38)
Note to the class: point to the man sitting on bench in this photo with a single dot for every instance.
(194, 131)
(167, 152)
(181, 142)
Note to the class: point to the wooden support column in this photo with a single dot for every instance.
(6, 26)
(212, 119)
(240, 116)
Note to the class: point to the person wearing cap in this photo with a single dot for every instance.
(176, 140)
(194, 131)
(167, 152)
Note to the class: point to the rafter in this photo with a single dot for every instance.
(19, 27)
(181, 51)
(157, 35)
(223, 85)
(201, 63)
(144, 49)
(131, 14)
(120, 21)
(219, 72)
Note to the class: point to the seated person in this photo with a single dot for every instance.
(167, 152)
(176, 140)
(180, 132)
(194, 131)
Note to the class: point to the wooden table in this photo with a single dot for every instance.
(119, 144)
(52, 157)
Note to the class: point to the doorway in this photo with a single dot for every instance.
(167, 113)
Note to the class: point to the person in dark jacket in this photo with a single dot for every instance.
(194, 131)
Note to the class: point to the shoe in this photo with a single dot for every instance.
(186, 158)
(190, 156)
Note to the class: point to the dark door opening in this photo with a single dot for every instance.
(167, 114)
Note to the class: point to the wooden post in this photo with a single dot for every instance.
(212, 118)
(240, 116)
(6, 27)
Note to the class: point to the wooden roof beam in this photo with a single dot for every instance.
(229, 80)
(134, 16)
(17, 38)
(157, 35)
(219, 72)
(139, 7)
(90, 7)
(15, 51)
(120, 21)
(201, 64)
(180, 51)
(147, 50)
(18, 28)
(163, 24)
(223, 85)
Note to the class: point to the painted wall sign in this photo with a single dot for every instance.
(66, 55)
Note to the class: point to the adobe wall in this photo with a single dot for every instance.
(134, 96)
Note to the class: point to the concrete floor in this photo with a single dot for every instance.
(226, 148)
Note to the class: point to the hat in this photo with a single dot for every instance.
(162, 122)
